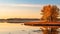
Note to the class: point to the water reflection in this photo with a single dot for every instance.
(25, 32)
(20, 28)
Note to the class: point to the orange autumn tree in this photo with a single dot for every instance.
(50, 13)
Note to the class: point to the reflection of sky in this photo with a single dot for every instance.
(5, 28)
(23, 8)
(12, 28)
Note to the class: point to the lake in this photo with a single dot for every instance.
(18, 28)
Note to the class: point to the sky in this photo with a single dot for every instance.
(24, 8)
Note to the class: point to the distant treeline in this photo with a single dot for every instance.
(18, 20)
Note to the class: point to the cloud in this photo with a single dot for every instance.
(28, 5)
(25, 5)
(10, 10)
(22, 5)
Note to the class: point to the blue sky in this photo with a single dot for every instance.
(24, 8)
(31, 1)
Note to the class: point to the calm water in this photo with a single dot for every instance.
(20, 28)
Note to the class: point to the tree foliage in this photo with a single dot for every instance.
(50, 13)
